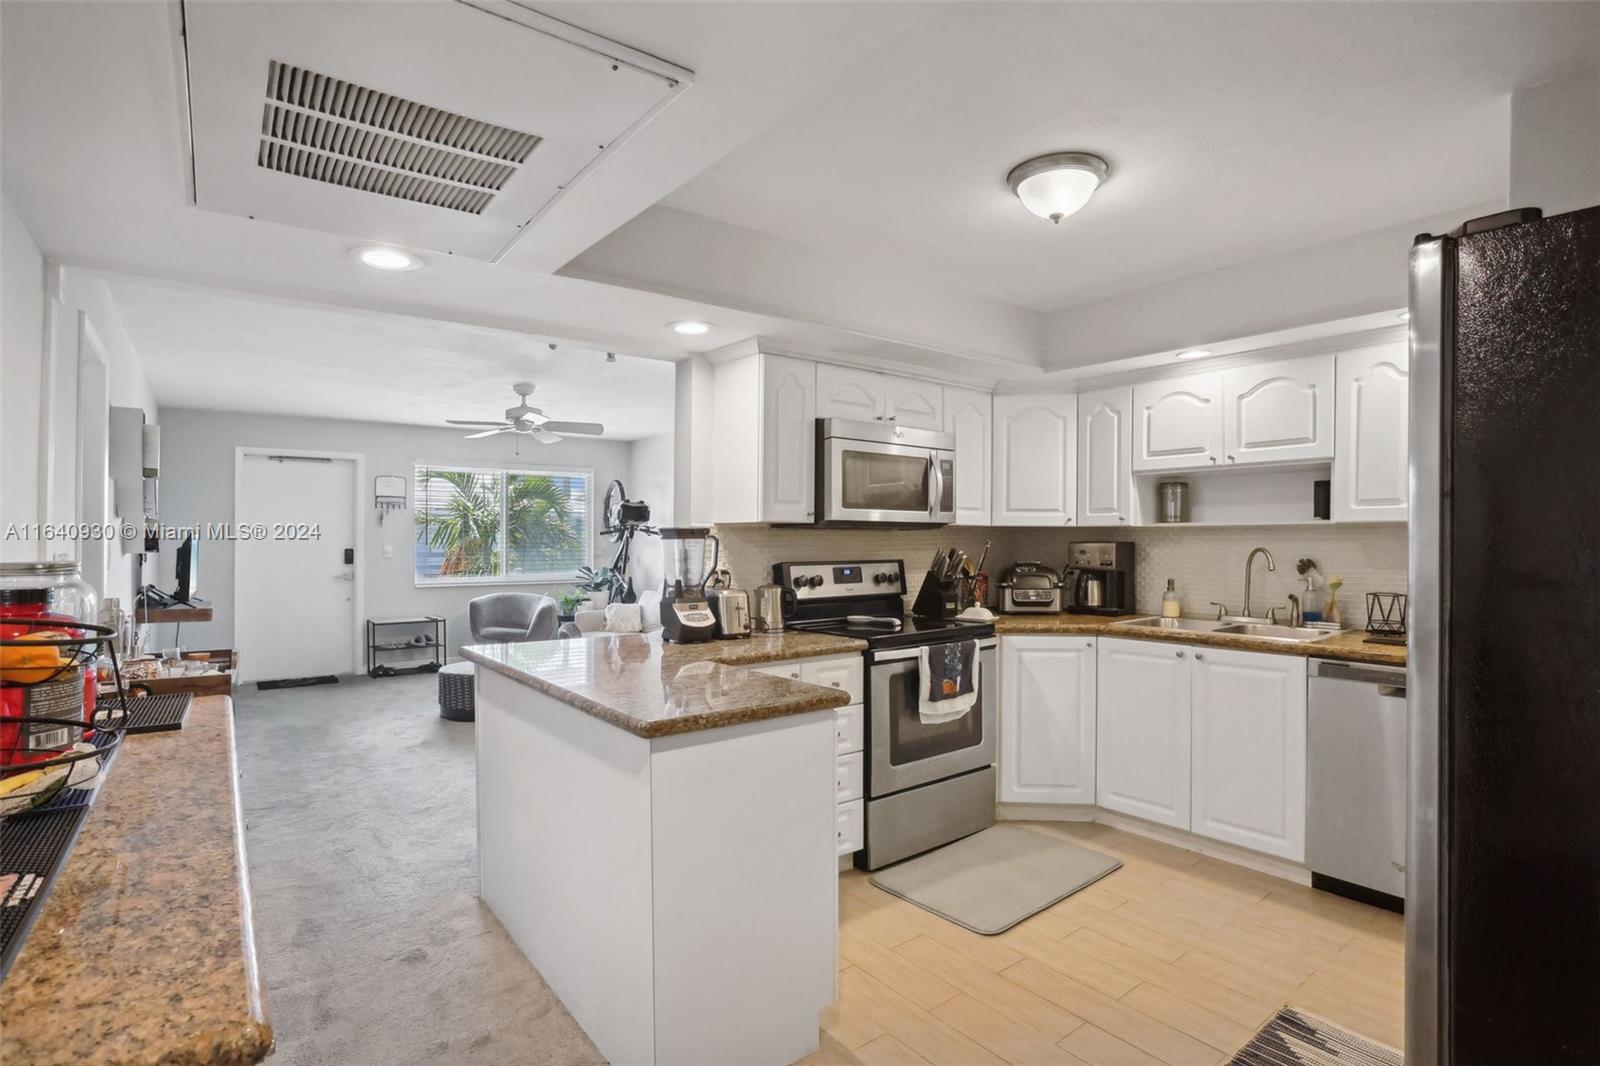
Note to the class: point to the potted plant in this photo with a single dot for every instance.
(569, 602)
(599, 580)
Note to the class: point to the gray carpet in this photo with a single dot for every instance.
(1295, 1039)
(992, 880)
(361, 839)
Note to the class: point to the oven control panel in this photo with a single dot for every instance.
(838, 580)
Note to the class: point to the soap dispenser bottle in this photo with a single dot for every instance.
(1171, 605)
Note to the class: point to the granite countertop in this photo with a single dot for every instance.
(144, 951)
(1349, 646)
(650, 688)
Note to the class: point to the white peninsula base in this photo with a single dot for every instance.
(679, 893)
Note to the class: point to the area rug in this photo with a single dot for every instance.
(1291, 1038)
(297, 682)
(992, 880)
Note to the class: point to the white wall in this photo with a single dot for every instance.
(1355, 276)
(650, 478)
(21, 379)
(1555, 144)
(197, 487)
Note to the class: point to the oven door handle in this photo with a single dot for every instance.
(902, 654)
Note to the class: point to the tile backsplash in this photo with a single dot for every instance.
(1207, 563)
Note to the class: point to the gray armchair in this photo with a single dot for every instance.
(512, 618)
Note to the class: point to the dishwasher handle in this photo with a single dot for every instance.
(1391, 680)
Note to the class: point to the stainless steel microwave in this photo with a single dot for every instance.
(878, 473)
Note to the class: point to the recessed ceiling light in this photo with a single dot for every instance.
(1404, 316)
(379, 257)
(690, 327)
(1057, 185)
(1194, 353)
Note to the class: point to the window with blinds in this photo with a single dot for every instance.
(500, 526)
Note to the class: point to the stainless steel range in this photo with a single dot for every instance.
(927, 783)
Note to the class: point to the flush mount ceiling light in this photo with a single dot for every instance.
(379, 257)
(1194, 353)
(690, 327)
(1057, 185)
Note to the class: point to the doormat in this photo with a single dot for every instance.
(1291, 1038)
(992, 880)
(297, 682)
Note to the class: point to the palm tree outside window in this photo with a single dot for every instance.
(500, 526)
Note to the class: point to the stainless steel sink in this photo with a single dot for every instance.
(1267, 631)
(1186, 625)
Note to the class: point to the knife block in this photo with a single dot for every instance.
(942, 598)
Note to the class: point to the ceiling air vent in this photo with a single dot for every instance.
(324, 128)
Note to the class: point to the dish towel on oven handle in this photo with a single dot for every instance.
(947, 680)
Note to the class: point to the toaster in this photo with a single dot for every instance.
(1030, 588)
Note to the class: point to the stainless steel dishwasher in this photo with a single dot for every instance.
(1356, 781)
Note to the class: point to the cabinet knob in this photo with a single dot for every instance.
(1230, 458)
(1198, 656)
(1179, 654)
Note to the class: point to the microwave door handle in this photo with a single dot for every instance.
(935, 485)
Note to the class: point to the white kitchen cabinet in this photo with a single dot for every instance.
(765, 440)
(1105, 456)
(1047, 719)
(845, 392)
(850, 826)
(1371, 451)
(1177, 423)
(843, 673)
(1035, 460)
(1142, 730)
(849, 778)
(1279, 411)
(1249, 750)
(970, 416)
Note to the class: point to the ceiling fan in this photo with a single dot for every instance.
(530, 422)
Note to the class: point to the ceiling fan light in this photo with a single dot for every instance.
(1057, 185)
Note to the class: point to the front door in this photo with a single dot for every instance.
(294, 612)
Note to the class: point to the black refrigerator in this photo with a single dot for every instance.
(1503, 856)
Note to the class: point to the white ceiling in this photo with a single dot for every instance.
(860, 147)
(221, 351)
(1234, 132)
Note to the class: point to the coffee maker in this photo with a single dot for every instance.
(1101, 577)
(686, 616)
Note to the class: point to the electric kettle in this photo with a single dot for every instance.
(769, 606)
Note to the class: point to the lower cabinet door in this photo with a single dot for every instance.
(1047, 719)
(1142, 730)
(849, 825)
(1249, 764)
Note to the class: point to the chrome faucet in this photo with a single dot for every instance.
(1249, 563)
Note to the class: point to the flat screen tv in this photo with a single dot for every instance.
(188, 569)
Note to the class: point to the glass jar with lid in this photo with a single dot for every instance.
(39, 604)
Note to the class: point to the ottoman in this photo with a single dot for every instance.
(455, 692)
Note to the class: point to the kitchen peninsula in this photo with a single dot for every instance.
(656, 831)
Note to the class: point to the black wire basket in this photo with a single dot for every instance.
(64, 776)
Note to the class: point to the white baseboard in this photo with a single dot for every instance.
(1178, 838)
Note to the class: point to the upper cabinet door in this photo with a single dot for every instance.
(1047, 719)
(908, 402)
(1280, 411)
(1370, 482)
(844, 392)
(788, 439)
(1105, 456)
(969, 415)
(1178, 423)
(1249, 742)
(1035, 466)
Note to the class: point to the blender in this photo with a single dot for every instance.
(686, 617)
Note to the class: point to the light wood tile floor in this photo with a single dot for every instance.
(1175, 958)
